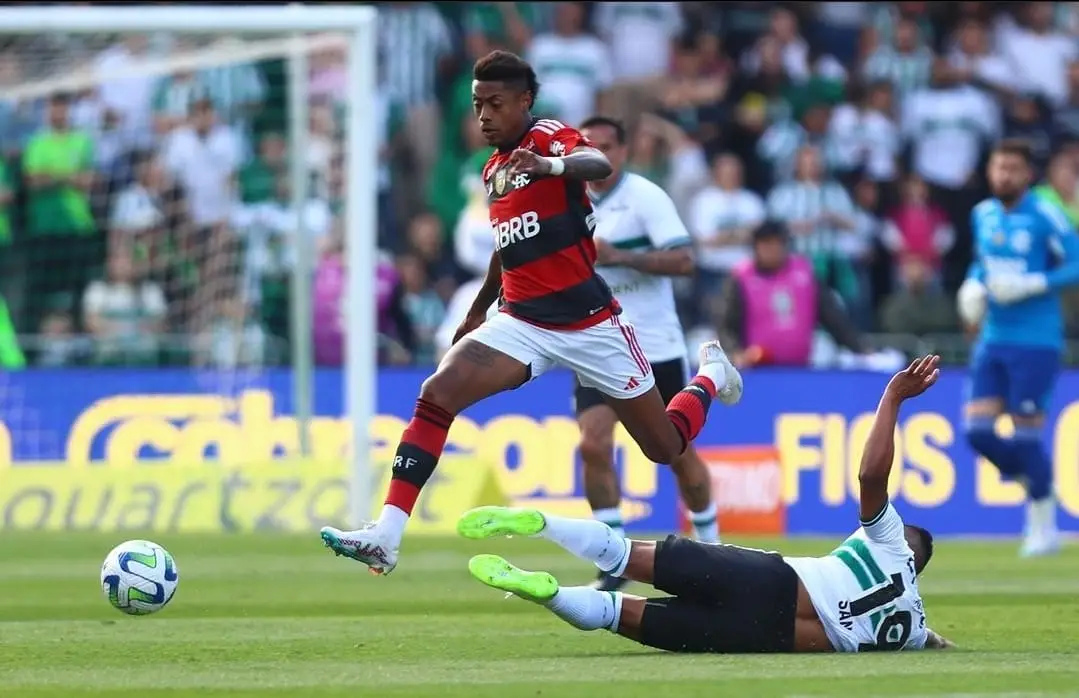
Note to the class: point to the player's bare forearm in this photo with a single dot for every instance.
(879, 449)
(492, 284)
(586, 164)
(878, 453)
(677, 262)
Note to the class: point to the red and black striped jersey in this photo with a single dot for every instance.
(543, 235)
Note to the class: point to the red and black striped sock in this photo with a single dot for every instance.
(689, 408)
(417, 454)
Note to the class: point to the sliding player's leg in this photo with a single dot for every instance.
(1032, 374)
(498, 356)
(674, 624)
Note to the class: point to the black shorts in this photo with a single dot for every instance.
(670, 379)
(725, 599)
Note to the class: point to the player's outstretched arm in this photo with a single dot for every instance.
(879, 450)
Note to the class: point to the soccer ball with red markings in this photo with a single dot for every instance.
(139, 577)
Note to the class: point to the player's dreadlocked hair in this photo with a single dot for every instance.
(925, 538)
(509, 68)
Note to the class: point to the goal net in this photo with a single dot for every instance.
(149, 220)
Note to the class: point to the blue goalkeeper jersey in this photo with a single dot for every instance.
(1034, 237)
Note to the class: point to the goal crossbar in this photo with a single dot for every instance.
(189, 19)
(358, 24)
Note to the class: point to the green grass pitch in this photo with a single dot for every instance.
(280, 616)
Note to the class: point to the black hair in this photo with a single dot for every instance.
(770, 229)
(925, 540)
(509, 68)
(1015, 146)
(598, 120)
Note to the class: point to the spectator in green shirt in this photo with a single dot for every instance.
(258, 179)
(63, 248)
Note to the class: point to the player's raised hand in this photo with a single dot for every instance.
(526, 162)
(915, 379)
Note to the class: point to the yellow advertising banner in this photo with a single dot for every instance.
(286, 496)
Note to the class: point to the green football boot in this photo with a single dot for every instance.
(494, 571)
(490, 522)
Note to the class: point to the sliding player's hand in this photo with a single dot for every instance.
(526, 162)
(915, 379)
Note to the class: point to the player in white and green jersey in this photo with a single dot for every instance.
(641, 243)
(727, 599)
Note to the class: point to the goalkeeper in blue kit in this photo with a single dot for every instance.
(1025, 254)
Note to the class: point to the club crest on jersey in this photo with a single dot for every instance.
(1021, 241)
(500, 182)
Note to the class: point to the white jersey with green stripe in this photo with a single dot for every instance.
(636, 215)
(865, 591)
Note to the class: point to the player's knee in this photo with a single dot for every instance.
(441, 389)
(660, 450)
(597, 450)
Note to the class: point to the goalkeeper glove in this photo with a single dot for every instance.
(1012, 288)
(972, 300)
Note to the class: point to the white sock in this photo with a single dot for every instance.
(589, 540)
(705, 524)
(393, 520)
(1042, 516)
(586, 608)
(611, 516)
(715, 373)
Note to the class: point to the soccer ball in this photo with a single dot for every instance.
(139, 577)
(972, 299)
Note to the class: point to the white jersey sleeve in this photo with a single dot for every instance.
(886, 528)
(662, 223)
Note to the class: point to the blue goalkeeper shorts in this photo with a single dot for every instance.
(1023, 377)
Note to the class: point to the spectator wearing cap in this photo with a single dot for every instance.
(772, 304)
(63, 249)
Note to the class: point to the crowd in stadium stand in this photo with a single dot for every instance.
(147, 220)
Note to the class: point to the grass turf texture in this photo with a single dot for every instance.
(280, 616)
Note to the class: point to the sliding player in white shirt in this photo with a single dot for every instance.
(640, 243)
(862, 597)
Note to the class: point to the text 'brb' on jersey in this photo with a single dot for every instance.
(866, 591)
(543, 235)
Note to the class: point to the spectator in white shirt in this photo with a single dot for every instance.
(124, 313)
(723, 216)
(783, 26)
(975, 63)
(639, 36)
(1038, 54)
(131, 98)
(863, 137)
(572, 65)
(203, 157)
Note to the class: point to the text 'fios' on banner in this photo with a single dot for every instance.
(784, 459)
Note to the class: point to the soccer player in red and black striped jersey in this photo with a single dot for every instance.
(554, 309)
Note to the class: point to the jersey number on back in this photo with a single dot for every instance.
(894, 629)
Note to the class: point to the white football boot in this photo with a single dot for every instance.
(369, 544)
(712, 353)
(1041, 535)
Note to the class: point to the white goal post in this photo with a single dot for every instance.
(358, 25)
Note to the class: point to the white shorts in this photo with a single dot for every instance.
(606, 356)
